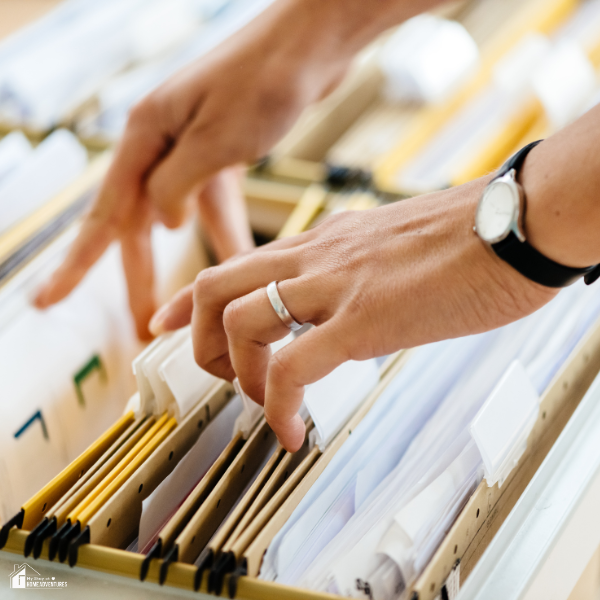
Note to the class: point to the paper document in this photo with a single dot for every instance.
(46, 171)
(15, 148)
(334, 399)
(385, 501)
(169, 495)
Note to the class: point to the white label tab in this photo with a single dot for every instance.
(503, 423)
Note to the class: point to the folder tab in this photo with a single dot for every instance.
(504, 422)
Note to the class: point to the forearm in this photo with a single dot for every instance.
(349, 25)
(318, 33)
(561, 179)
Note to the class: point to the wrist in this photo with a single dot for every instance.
(561, 216)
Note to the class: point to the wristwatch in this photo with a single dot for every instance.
(499, 221)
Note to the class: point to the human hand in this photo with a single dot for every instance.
(222, 213)
(371, 282)
(227, 108)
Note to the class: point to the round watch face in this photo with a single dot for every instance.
(496, 212)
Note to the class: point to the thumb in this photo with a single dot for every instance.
(305, 360)
(174, 314)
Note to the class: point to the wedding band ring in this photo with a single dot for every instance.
(279, 307)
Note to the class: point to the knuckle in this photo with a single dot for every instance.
(273, 417)
(273, 421)
(234, 316)
(173, 220)
(198, 133)
(109, 220)
(280, 366)
(205, 284)
(200, 355)
(360, 303)
(143, 112)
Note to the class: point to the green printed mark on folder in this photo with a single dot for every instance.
(94, 364)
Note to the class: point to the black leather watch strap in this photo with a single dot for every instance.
(517, 159)
(526, 259)
(534, 265)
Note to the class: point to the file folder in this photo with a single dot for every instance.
(26, 239)
(239, 557)
(223, 551)
(227, 541)
(537, 16)
(124, 508)
(58, 514)
(165, 545)
(203, 524)
(489, 506)
(87, 513)
(33, 510)
(211, 551)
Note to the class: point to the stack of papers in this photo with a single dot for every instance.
(201, 485)
(425, 64)
(51, 67)
(549, 76)
(67, 370)
(29, 178)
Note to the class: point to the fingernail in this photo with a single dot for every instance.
(157, 322)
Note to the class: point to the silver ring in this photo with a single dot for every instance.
(279, 307)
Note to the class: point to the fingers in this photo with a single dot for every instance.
(304, 361)
(211, 350)
(223, 214)
(251, 324)
(175, 314)
(145, 140)
(93, 239)
(119, 194)
(216, 287)
(178, 311)
(136, 253)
